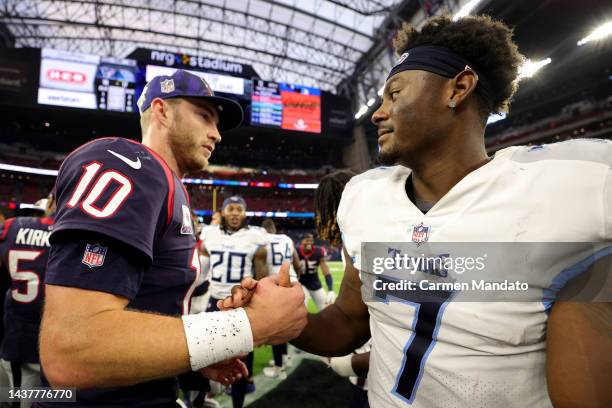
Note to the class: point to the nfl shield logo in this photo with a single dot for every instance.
(94, 255)
(401, 59)
(420, 234)
(187, 225)
(167, 85)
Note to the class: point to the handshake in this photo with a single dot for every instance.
(275, 307)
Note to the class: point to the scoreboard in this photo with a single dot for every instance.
(286, 106)
(43, 77)
(87, 81)
(266, 104)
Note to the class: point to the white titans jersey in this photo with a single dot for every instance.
(231, 256)
(479, 354)
(280, 249)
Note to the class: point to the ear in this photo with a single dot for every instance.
(162, 112)
(462, 86)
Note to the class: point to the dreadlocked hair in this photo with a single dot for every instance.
(485, 42)
(327, 199)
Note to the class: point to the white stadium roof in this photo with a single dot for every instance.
(308, 42)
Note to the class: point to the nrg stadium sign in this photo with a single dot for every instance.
(187, 61)
(193, 61)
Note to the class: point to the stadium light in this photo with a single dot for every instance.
(361, 111)
(29, 170)
(371, 102)
(381, 90)
(599, 33)
(209, 182)
(529, 68)
(466, 9)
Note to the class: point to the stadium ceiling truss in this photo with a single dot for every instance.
(309, 42)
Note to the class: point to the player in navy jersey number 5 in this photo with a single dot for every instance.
(24, 249)
(123, 262)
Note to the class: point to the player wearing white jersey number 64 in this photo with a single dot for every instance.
(280, 251)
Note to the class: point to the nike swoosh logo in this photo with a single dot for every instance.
(135, 164)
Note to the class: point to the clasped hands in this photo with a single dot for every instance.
(274, 305)
(276, 311)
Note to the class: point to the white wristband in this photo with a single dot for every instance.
(343, 366)
(217, 336)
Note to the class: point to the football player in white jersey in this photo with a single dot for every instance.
(280, 250)
(236, 251)
(444, 188)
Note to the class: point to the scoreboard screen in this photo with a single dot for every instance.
(286, 106)
(87, 81)
(266, 104)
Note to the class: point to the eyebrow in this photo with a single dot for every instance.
(391, 82)
(207, 109)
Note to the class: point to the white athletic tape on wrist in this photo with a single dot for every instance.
(343, 365)
(217, 336)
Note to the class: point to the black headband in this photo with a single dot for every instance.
(441, 61)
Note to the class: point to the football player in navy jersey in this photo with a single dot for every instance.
(24, 249)
(312, 258)
(123, 262)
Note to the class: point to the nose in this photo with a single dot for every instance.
(214, 134)
(379, 115)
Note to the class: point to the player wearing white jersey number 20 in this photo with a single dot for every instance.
(236, 251)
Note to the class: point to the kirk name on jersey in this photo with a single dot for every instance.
(33, 237)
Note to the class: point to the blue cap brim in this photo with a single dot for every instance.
(229, 111)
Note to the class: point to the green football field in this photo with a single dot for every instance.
(264, 354)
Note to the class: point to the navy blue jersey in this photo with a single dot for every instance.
(24, 249)
(123, 226)
(310, 265)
